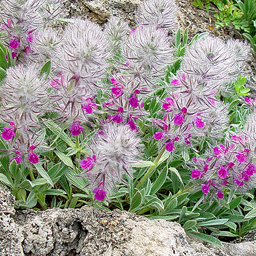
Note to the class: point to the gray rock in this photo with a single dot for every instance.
(10, 237)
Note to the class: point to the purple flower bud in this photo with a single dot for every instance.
(168, 106)
(8, 132)
(117, 91)
(241, 157)
(14, 55)
(88, 163)
(132, 124)
(89, 106)
(176, 82)
(250, 170)
(100, 193)
(30, 36)
(76, 128)
(248, 100)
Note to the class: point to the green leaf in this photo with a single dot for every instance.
(215, 222)
(5, 180)
(224, 233)
(59, 132)
(165, 156)
(73, 202)
(43, 173)
(185, 37)
(46, 69)
(3, 61)
(142, 164)
(55, 192)
(2, 74)
(159, 182)
(189, 224)
(65, 159)
(38, 182)
(232, 104)
(182, 213)
(174, 170)
(207, 238)
(177, 38)
(172, 217)
(78, 182)
(171, 205)
(234, 203)
(251, 214)
(136, 201)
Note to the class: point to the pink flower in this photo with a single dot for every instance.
(169, 146)
(118, 117)
(239, 183)
(196, 174)
(88, 163)
(223, 172)
(28, 50)
(133, 31)
(76, 128)
(242, 157)
(168, 106)
(8, 132)
(176, 82)
(179, 119)
(89, 106)
(14, 55)
(30, 36)
(14, 43)
(248, 100)
(250, 170)
(117, 91)
(132, 124)
(100, 193)
(33, 158)
(55, 83)
(199, 123)
(9, 22)
(18, 157)
(219, 194)
(159, 135)
(134, 102)
(206, 188)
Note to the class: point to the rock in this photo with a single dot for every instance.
(10, 236)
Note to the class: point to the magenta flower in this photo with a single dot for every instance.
(18, 157)
(242, 157)
(30, 36)
(100, 193)
(89, 105)
(76, 128)
(28, 50)
(250, 170)
(179, 119)
(176, 82)
(223, 172)
(14, 43)
(168, 106)
(117, 118)
(169, 146)
(55, 83)
(8, 132)
(219, 194)
(9, 23)
(33, 158)
(239, 183)
(117, 90)
(199, 123)
(14, 55)
(88, 163)
(248, 100)
(134, 102)
(159, 135)
(196, 174)
(206, 188)
(132, 124)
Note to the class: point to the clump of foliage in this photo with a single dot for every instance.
(133, 119)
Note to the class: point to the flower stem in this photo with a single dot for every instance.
(78, 152)
(151, 168)
(31, 174)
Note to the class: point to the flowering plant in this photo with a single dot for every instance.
(133, 119)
